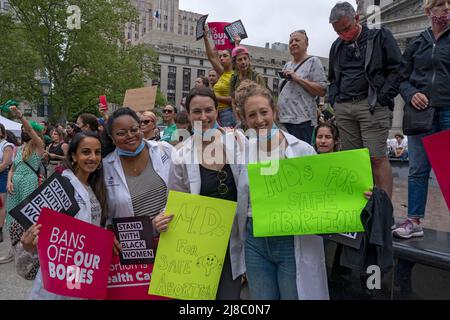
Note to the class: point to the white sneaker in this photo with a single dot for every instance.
(408, 229)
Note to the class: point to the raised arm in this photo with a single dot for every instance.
(35, 139)
(212, 56)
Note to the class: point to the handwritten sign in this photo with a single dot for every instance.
(129, 282)
(135, 235)
(437, 147)
(311, 195)
(235, 29)
(219, 36)
(200, 32)
(74, 256)
(191, 253)
(56, 193)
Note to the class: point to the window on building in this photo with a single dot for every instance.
(186, 79)
(180, 28)
(283, 62)
(6, 5)
(201, 62)
(267, 81)
(201, 73)
(171, 96)
(192, 30)
(172, 79)
(275, 86)
(172, 59)
(265, 70)
(272, 61)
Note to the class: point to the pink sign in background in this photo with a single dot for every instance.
(219, 36)
(130, 282)
(74, 255)
(437, 147)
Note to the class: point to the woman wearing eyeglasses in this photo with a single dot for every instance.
(148, 126)
(136, 170)
(209, 176)
(278, 268)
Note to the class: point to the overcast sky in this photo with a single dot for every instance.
(273, 20)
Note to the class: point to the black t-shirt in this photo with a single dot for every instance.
(352, 59)
(210, 183)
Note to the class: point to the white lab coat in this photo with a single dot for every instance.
(185, 177)
(118, 195)
(311, 272)
(82, 197)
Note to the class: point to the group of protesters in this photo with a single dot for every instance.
(127, 167)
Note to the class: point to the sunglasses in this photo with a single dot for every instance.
(167, 111)
(146, 122)
(223, 188)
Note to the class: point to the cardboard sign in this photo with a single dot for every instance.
(235, 29)
(191, 253)
(200, 32)
(221, 41)
(437, 147)
(135, 235)
(140, 99)
(56, 193)
(74, 255)
(129, 282)
(311, 195)
(351, 239)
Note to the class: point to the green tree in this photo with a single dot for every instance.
(81, 64)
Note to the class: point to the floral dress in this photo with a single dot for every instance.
(24, 180)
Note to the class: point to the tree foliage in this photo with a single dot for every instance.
(81, 64)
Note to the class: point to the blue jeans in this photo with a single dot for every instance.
(271, 267)
(419, 166)
(226, 118)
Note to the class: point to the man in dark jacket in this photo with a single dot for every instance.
(363, 76)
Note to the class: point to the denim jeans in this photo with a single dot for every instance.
(271, 267)
(419, 166)
(226, 118)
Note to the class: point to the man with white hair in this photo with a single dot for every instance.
(364, 80)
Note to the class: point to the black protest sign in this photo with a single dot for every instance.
(200, 32)
(235, 29)
(135, 235)
(351, 239)
(56, 193)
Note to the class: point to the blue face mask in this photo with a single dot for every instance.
(123, 153)
(197, 133)
(270, 134)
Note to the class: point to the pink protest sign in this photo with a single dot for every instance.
(75, 256)
(437, 147)
(219, 36)
(129, 282)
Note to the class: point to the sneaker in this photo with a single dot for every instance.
(8, 258)
(408, 229)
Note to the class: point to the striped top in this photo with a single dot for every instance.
(148, 192)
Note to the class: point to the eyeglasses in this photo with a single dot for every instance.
(167, 111)
(146, 122)
(133, 131)
(223, 188)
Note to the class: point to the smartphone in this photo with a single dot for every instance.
(103, 103)
(281, 75)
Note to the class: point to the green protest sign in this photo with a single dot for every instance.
(190, 255)
(311, 195)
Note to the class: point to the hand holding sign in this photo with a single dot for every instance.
(161, 222)
(235, 30)
(30, 238)
(200, 31)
